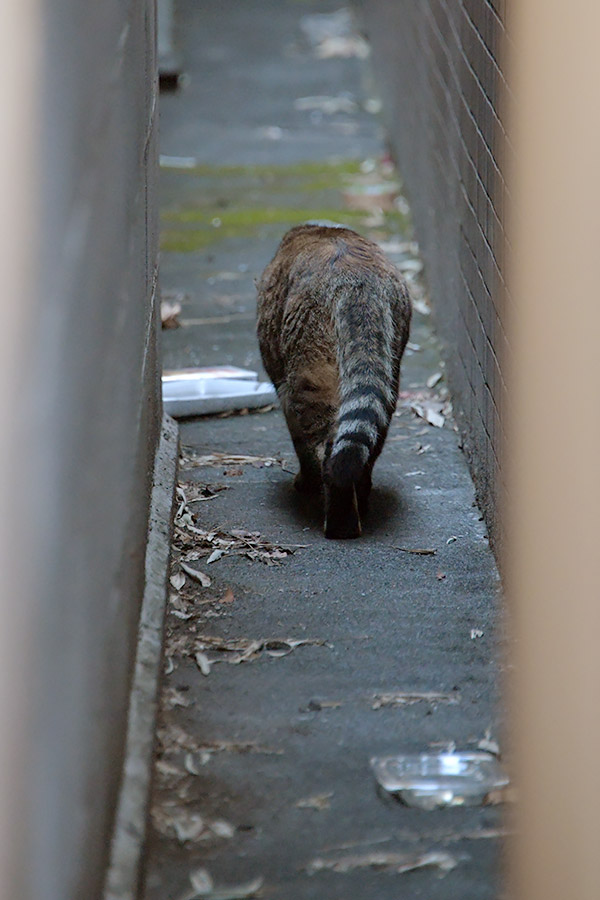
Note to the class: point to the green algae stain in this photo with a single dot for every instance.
(332, 168)
(211, 204)
(238, 223)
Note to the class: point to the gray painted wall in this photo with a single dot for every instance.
(85, 417)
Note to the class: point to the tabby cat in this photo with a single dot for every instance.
(333, 322)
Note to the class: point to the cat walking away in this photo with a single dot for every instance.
(333, 322)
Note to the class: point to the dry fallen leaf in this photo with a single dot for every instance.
(421, 305)
(173, 738)
(434, 379)
(201, 881)
(346, 47)
(177, 580)
(214, 556)
(196, 575)
(227, 597)
(203, 663)
(222, 828)
(171, 697)
(169, 314)
(318, 802)
(384, 861)
(167, 769)
(488, 744)
(328, 105)
(407, 698)
(431, 412)
(190, 764)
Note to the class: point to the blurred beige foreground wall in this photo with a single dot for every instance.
(553, 448)
(79, 407)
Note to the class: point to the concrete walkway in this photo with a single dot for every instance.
(262, 771)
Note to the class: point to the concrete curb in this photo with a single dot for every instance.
(123, 876)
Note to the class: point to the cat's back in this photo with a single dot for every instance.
(322, 281)
(314, 258)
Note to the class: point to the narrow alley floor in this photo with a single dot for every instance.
(288, 667)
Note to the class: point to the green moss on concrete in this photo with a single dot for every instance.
(219, 203)
(305, 169)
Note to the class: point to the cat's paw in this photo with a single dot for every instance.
(338, 529)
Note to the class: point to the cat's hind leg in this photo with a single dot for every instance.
(363, 491)
(309, 479)
(342, 519)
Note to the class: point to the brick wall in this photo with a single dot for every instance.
(84, 416)
(439, 66)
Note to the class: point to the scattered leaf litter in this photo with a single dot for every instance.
(216, 543)
(408, 698)
(237, 650)
(174, 740)
(229, 459)
(188, 826)
(397, 863)
(319, 802)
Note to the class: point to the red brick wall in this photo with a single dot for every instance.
(439, 66)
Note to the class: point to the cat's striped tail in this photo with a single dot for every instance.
(368, 359)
